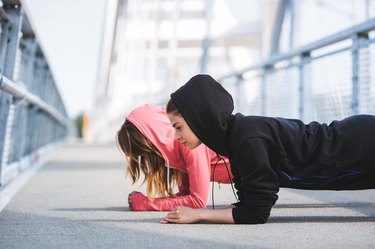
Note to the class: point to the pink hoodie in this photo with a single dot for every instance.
(152, 121)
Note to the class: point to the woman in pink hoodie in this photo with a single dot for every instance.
(148, 141)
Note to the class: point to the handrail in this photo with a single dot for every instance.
(337, 37)
(20, 92)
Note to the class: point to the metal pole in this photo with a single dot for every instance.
(361, 28)
(239, 92)
(263, 91)
(304, 86)
(357, 40)
(206, 43)
(276, 32)
(291, 7)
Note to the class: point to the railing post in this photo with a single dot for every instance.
(263, 92)
(303, 85)
(10, 38)
(38, 90)
(239, 92)
(28, 47)
(206, 43)
(357, 41)
(265, 71)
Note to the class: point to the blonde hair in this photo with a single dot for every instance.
(143, 156)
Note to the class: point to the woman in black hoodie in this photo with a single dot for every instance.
(267, 153)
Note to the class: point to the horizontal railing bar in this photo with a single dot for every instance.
(362, 28)
(20, 92)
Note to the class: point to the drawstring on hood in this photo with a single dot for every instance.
(212, 183)
(219, 158)
(168, 174)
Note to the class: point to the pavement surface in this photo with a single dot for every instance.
(78, 199)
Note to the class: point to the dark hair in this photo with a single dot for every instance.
(172, 108)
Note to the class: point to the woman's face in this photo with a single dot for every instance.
(183, 132)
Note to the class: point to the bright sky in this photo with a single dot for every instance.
(70, 33)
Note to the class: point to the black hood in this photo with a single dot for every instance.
(206, 107)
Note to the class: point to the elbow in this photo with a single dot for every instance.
(197, 202)
(262, 218)
(259, 218)
(246, 215)
(200, 205)
(192, 201)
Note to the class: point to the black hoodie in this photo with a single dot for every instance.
(268, 153)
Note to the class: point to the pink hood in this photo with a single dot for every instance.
(152, 121)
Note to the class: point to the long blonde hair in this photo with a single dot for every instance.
(142, 156)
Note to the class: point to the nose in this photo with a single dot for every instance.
(178, 136)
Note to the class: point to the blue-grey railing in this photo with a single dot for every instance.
(32, 113)
(327, 79)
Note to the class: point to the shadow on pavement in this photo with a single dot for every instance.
(319, 219)
(115, 209)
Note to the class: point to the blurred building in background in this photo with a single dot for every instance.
(151, 47)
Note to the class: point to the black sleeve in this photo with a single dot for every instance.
(259, 183)
(237, 181)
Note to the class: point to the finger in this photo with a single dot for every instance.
(164, 221)
(172, 216)
(173, 212)
(170, 220)
(175, 221)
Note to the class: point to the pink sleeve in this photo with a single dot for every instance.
(198, 170)
(183, 184)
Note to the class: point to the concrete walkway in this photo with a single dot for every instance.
(79, 200)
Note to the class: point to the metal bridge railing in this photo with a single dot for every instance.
(32, 113)
(329, 79)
